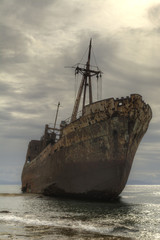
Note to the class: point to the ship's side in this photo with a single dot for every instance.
(94, 154)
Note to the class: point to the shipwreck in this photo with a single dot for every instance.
(93, 155)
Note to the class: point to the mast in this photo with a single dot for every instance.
(86, 73)
(56, 114)
(88, 69)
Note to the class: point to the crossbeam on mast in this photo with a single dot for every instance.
(86, 73)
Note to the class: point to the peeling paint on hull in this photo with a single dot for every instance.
(94, 155)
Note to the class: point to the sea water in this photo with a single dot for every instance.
(136, 215)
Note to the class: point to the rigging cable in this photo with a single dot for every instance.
(84, 54)
(99, 80)
(95, 59)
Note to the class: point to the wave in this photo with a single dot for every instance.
(125, 229)
(25, 220)
(31, 221)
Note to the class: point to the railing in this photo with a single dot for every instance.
(68, 120)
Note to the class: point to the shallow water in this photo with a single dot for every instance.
(26, 216)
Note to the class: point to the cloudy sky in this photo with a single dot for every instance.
(39, 37)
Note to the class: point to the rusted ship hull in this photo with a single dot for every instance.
(94, 155)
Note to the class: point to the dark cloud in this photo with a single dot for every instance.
(11, 39)
(5, 88)
(4, 116)
(26, 12)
